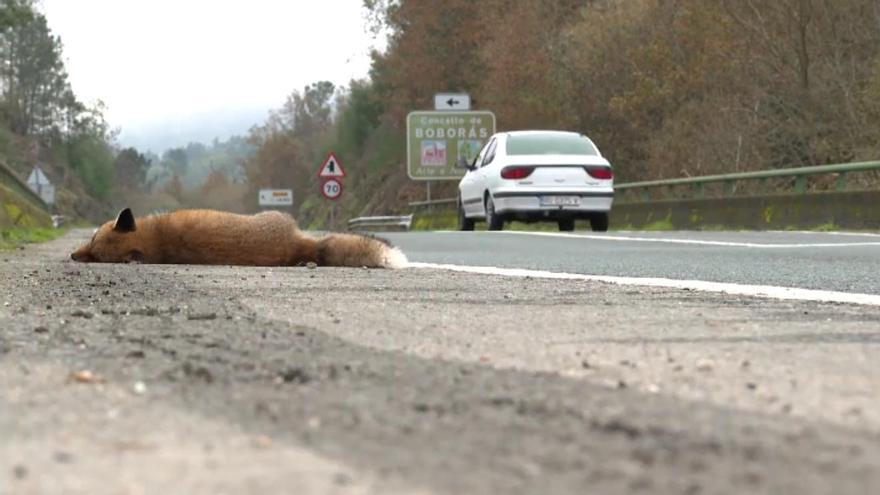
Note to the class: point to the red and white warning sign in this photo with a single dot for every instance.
(332, 168)
(331, 189)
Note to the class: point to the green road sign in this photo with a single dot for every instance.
(435, 140)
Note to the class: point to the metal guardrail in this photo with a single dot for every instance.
(433, 202)
(8, 177)
(381, 221)
(729, 180)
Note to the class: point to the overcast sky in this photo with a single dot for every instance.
(155, 60)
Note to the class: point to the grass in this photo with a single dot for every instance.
(659, 225)
(22, 222)
(13, 237)
(448, 220)
(440, 220)
(826, 227)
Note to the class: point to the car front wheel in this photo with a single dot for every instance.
(493, 221)
(464, 223)
(599, 222)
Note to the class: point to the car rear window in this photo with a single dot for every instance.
(549, 143)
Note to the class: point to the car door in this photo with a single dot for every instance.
(471, 185)
(484, 174)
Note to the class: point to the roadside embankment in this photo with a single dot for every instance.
(855, 210)
(21, 220)
(849, 210)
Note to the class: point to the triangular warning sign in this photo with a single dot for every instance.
(332, 167)
(37, 177)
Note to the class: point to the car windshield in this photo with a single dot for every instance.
(549, 143)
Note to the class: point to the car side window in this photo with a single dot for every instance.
(479, 158)
(490, 153)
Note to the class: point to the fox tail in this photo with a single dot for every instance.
(359, 250)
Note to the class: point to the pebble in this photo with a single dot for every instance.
(20, 472)
(85, 376)
(705, 365)
(263, 442)
(41, 329)
(139, 388)
(295, 375)
(342, 479)
(311, 265)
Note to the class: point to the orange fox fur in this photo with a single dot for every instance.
(209, 237)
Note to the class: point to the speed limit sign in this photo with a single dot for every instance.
(331, 189)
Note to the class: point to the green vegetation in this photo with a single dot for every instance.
(42, 122)
(666, 89)
(826, 227)
(439, 220)
(21, 222)
(17, 212)
(448, 220)
(11, 238)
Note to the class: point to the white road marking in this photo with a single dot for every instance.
(685, 241)
(855, 234)
(765, 291)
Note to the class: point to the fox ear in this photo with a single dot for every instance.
(125, 222)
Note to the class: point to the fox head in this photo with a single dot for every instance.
(114, 242)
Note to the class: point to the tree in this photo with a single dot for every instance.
(131, 169)
(359, 112)
(36, 94)
(176, 160)
(92, 159)
(277, 162)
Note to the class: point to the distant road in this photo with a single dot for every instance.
(810, 260)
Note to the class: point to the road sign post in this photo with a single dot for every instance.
(39, 183)
(456, 102)
(436, 139)
(331, 188)
(331, 173)
(276, 197)
(331, 168)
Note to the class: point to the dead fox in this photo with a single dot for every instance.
(208, 237)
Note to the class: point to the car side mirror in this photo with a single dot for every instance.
(463, 163)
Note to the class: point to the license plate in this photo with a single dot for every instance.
(560, 200)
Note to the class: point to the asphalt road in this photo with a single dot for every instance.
(186, 379)
(809, 260)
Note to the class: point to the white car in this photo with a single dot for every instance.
(536, 176)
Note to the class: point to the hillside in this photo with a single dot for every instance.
(42, 123)
(666, 89)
